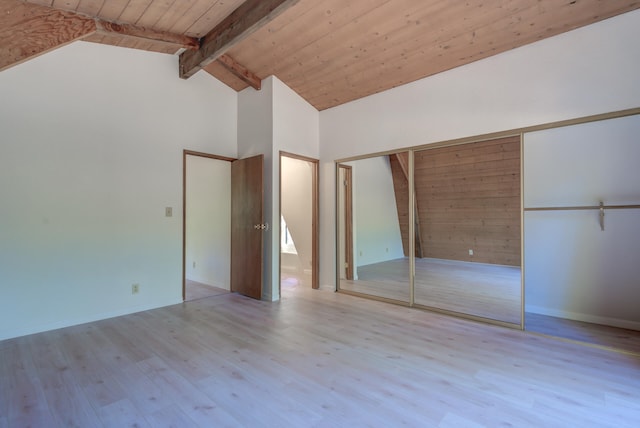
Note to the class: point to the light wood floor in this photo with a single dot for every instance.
(488, 291)
(596, 334)
(478, 289)
(316, 358)
(197, 290)
(294, 279)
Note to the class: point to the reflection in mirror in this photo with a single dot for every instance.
(373, 227)
(468, 216)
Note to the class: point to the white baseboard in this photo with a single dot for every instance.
(595, 319)
(33, 329)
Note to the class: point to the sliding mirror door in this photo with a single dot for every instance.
(373, 227)
(468, 215)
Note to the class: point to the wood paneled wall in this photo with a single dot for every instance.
(469, 198)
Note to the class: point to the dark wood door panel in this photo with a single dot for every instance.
(246, 234)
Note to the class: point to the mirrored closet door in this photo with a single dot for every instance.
(465, 213)
(468, 215)
(465, 228)
(373, 227)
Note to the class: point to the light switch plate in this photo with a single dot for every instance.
(168, 212)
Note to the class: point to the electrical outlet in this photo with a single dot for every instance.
(470, 252)
(135, 288)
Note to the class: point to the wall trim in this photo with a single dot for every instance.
(575, 316)
(502, 134)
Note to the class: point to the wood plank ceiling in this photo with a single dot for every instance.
(328, 51)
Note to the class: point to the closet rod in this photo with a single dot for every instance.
(600, 207)
(587, 207)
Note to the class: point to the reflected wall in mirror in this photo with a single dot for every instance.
(468, 213)
(373, 204)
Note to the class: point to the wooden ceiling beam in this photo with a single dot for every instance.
(240, 24)
(108, 28)
(31, 30)
(240, 71)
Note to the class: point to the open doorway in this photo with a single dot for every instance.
(206, 225)
(298, 221)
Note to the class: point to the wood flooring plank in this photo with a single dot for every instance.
(601, 335)
(28, 406)
(171, 416)
(188, 399)
(230, 389)
(316, 358)
(196, 290)
(122, 413)
(70, 407)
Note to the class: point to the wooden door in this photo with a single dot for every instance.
(247, 226)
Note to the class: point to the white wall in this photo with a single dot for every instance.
(573, 269)
(583, 164)
(90, 156)
(375, 214)
(296, 129)
(271, 120)
(586, 71)
(208, 221)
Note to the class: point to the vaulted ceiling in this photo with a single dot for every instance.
(328, 51)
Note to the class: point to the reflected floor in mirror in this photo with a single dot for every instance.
(389, 280)
(479, 289)
(595, 334)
